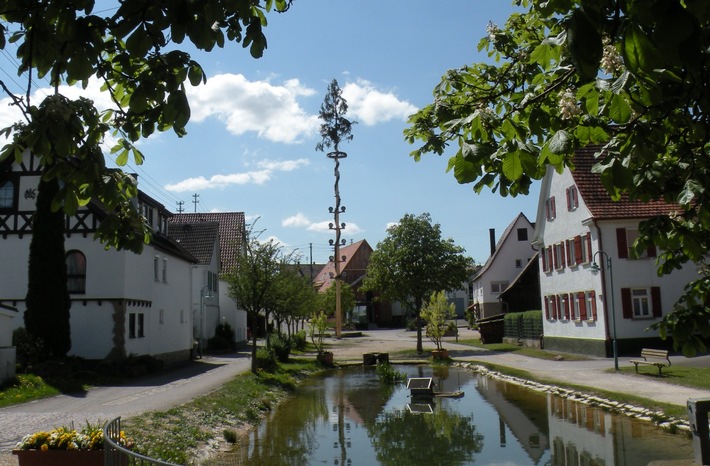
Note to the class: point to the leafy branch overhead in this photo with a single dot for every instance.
(133, 51)
(630, 76)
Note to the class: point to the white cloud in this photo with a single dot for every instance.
(297, 221)
(324, 227)
(370, 106)
(272, 111)
(266, 168)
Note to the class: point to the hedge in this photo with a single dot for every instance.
(523, 325)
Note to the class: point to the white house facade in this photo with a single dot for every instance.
(577, 226)
(121, 303)
(210, 298)
(509, 256)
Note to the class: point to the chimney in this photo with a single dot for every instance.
(492, 233)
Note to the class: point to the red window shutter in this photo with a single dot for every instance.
(577, 249)
(621, 244)
(567, 251)
(568, 306)
(626, 304)
(582, 305)
(568, 195)
(544, 261)
(594, 305)
(589, 246)
(549, 258)
(656, 301)
(547, 307)
(556, 258)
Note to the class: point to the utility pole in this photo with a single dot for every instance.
(195, 200)
(180, 208)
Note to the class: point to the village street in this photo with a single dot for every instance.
(181, 385)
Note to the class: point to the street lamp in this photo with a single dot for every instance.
(203, 296)
(595, 270)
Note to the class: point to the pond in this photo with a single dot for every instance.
(347, 417)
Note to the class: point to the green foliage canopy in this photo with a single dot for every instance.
(562, 74)
(134, 52)
(413, 262)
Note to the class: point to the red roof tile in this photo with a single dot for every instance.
(231, 233)
(598, 200)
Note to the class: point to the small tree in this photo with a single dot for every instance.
(252, 280)
(437, 315)
(319, 324)
(327, 300)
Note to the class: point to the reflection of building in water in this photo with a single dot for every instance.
(579, 433)
(528, 427)
(586, 436)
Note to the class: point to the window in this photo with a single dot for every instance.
(572, 257)
(563, 306)
(550, 210)
(76, 272)
(625, 239)
(7, 194)
(591, 305)
(559, 258)
(156, 268)
(522, 234)
(165, 270)
(518, 263)
(641, 303)
(572, 198)
(135, 325)
(585, 248)
(498, 287)
(577, 306)
(547, 259)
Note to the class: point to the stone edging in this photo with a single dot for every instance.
(656, 417)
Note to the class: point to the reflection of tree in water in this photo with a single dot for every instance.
(439, 438)
(289, 437)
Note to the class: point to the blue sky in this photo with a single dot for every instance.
(251, 140)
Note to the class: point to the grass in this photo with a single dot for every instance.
(522, 350)
(177, 434)
(24, 388)
(694, 377)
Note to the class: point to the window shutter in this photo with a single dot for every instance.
(656, 301)
(626, 304)
(569, 198)
(568, 307)
(567, 251)
(556, 258)
(594, 304)
(589, 247)
(582, 305)
(621, 244)
(549, 258)
(577, 249)
(547, 307)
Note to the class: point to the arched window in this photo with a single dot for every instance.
(76, 272)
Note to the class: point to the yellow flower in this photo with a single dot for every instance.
(44, 447)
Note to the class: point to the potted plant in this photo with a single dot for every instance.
(319, 324)
(437, 315)
(65, 446)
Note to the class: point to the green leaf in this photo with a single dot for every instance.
(619, 109)
(560, 143)
(584, 44)
(512, 167)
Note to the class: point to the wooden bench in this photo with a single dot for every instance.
(653, 357)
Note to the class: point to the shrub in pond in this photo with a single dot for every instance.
(388, 374)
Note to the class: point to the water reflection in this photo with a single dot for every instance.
(347, 418)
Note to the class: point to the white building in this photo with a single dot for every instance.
(121, 303)
(509, 256)
(578, 224)
(214, 258)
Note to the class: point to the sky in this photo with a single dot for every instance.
(251, 139)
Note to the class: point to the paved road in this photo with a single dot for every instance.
(202, 376)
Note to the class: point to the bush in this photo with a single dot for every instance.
(265, 360)
(299, 341)
(388, 374)
(29, 349)
(280, 346)
(523, 325)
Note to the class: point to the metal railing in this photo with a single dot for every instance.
(117, 455)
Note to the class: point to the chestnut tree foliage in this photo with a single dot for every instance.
(133, 48)
(630, 75)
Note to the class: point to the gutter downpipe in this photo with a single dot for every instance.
(602, 275)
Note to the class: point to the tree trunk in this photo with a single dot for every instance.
(253, 342)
